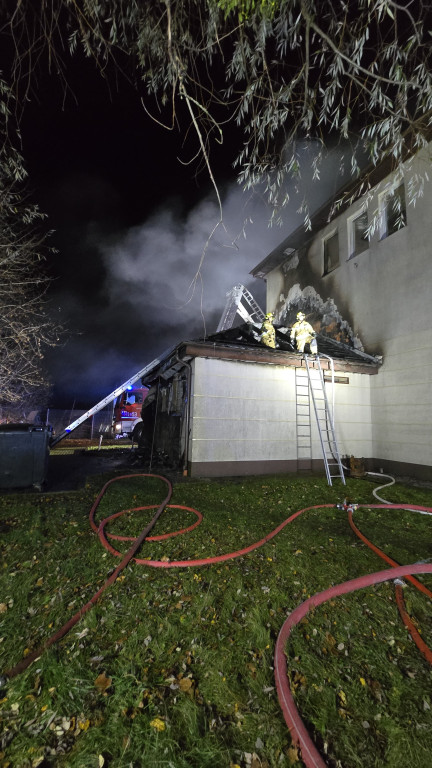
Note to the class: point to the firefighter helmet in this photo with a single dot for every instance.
(300, 315)
(270, 315)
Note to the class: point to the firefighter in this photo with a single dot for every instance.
(302, 333)
(268, 333)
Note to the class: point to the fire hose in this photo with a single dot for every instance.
(299, 733)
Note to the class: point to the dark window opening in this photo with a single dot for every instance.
(394, 211)
(331, 253)
(359, 240)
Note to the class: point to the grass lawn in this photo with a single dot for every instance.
(173, 668)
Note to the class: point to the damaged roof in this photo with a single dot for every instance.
(249, 334)
(243, 343)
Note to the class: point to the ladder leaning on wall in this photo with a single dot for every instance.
(324, 418)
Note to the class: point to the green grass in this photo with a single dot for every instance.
(174, 668)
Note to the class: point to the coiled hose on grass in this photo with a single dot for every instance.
(299, 733)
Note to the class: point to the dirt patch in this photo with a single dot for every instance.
(68, 471)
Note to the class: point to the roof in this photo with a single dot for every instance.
(247, 333)
(242, 344)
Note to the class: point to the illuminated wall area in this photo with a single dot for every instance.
(243, 418)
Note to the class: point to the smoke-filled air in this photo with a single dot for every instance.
(164, 282)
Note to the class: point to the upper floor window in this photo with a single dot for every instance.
(393, 211)
(358, 233)
(331, 252)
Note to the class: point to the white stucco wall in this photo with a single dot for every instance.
(242, 412)
(385, 295)
(353, 415)
(246, 412)
(401, 400)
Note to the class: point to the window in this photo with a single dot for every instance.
(357, 235)
(393, 211)
(331, 253)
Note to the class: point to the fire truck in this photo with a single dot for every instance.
(127, 410)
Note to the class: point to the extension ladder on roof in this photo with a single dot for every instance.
(324, 417)
(251, 313)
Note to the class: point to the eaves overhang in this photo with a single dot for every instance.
(188, 350)
(273, 357)
(167, 366)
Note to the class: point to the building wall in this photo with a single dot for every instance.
(243, 418)
(384, 297)
(402, 406)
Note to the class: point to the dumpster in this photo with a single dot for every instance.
(24, 453)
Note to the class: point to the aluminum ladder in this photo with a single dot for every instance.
(109, 398)
(251, 313)
(324, 417)
(303, 420)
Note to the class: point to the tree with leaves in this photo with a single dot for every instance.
(285, 72)
(25, 327)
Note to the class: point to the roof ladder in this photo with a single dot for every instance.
(324, 417)
(251, 313)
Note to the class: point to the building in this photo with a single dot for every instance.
(228, 405)
(364, 276)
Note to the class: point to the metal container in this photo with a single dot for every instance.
(24, 453)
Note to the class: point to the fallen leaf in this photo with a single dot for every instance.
(185, 684)
(293, 754)
(297, 680)
(102, 682)
(158, 724)
(376, 690)
(83, 724)
(83, 633)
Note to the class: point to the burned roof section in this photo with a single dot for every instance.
(243, 343)
(249, 334)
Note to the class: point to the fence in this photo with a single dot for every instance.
(98, 424)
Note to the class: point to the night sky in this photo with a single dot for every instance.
(130, 223)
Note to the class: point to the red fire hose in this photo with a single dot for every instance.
(24, 663)
(300, 736)
(421, 645)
